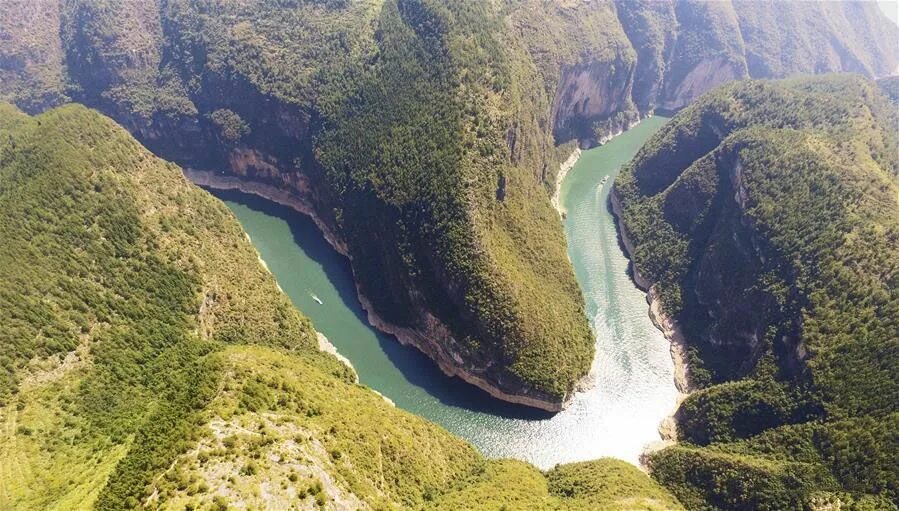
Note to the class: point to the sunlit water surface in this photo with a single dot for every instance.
(631, 384)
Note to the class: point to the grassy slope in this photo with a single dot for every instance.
(818, 173)
(150, 354)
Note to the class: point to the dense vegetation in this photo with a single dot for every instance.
(150, 361)
(438, 193)
(423, 132)
(767, 217)
(116, 302)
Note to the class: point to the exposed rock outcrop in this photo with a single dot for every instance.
(704, 76)
(564, 169)
(593, 102)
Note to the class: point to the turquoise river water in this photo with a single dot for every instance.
(630, 388)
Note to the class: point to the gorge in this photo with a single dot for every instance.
(442, 121)
(631, 386)
(451, 173)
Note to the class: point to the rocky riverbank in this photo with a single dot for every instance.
(325, 345)
(667, 325)
(448, 362)
(575, 155)
(669, 328)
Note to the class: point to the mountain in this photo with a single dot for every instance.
(423, 135)
(149, 360)
(764, 219)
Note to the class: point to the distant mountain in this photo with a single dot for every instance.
(765, 218)
(150, 361)
(423, 134)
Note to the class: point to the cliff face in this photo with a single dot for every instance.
(763, 217)
(605, 65)
(708, 51)
(687, 48)
(592, 101)
(822, 39)
(652, 29)
(704, 76)
(420, 134)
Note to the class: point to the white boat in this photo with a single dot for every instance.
(317, 299)
(604, 179)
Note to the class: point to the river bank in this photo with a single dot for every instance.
(631, 388)
(564, 169)
(667, 325)
(448, 362)
(575, 155)
(325, 345)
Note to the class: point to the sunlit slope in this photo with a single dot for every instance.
(150, 360)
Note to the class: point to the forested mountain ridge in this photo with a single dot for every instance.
(150, 361)
(423, 134)
(766, 219)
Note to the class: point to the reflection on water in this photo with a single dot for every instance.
(631, 384)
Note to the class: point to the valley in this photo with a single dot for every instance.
(631, 386)
(440, 255)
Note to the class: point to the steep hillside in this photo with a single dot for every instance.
(765, 218)
(686, 48)
(150, 361)
(32, 69)
(422, 134)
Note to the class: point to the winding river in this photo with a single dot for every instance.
(631, 386)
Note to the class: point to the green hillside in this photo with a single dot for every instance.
(767, 217)
(425, 134)
(149, 360)
(464, 222)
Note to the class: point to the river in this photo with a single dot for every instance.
(631, 386)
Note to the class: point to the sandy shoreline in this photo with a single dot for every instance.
(564, 169)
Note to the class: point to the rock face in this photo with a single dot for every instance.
(593, 101)
(704, 76)
(687, 48)
(420, 134)
(652, 29)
